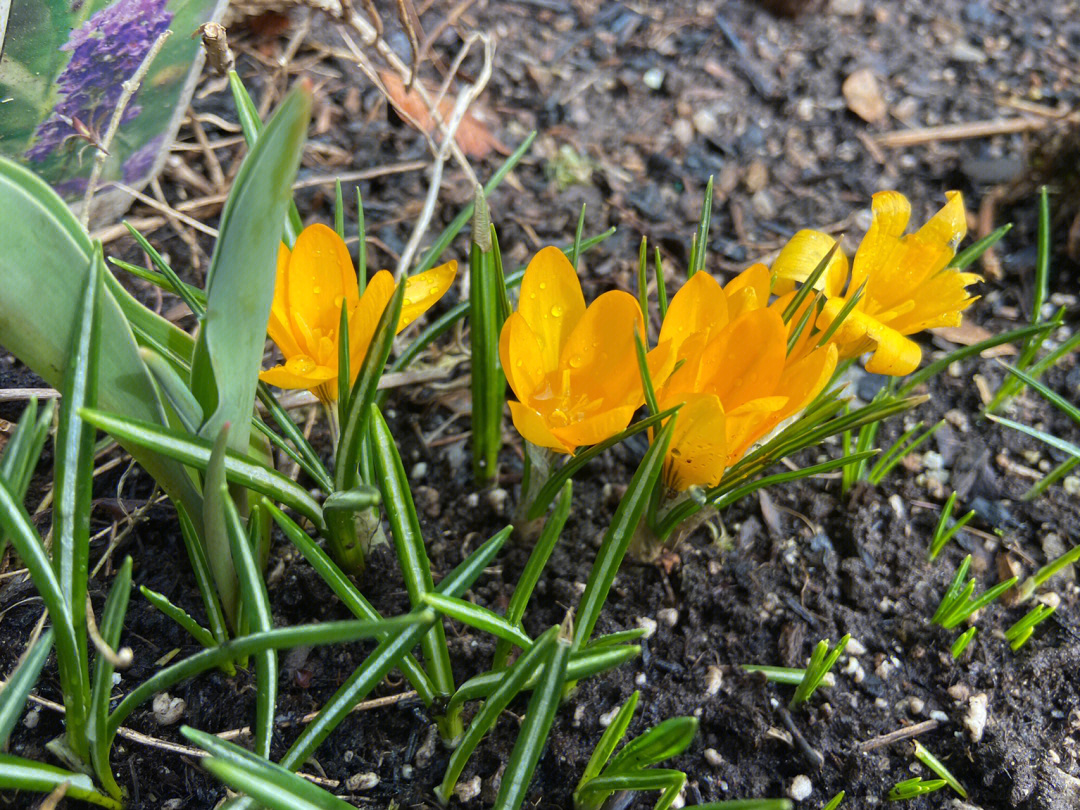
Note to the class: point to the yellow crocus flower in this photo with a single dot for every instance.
(733, 374)
(909, 286)
(573, 368)
(313, 280)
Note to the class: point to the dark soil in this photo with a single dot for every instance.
(742, 93)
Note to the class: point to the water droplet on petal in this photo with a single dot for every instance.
(317, 290)
(577, 361)
(543, 285)
(556, 311)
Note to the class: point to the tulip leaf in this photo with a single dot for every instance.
(240, 281)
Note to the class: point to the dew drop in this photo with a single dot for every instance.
(577, 361)
(556, 311)
(543, 285)
(317, 290)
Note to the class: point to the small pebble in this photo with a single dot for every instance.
(653, 78)
(33, 717)
(362, 781)
(407, 771)
(167, 710)
(419, 470)
(975, 719)
(607, 717)
(640, 679)
(801, 788)
(714, 677)
(1071, 485)
(939, 715)
(668, 616)
(932, 460)
(467, 791)
(712, 756)
(959, 692)
(497, 500)
(855, 647)
(916, 705)
(649, 625)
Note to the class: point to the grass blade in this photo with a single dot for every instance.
(15, 692)
(17, 773)
(969, 255)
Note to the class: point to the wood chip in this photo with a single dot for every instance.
(968, 334)
(863, 96)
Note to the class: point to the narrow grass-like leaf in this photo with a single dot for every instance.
(789, 676)
(899, 449)
(485, 719)
(834, 802)
(821, 662)
(561, 475)
(934, 764)
(842, 315)
(583, 664)
(969, 255)
(749, 804)
(953, 591)
(175, 390)
(615, 731)
(701, 237)
(361, 244)
(661, 286)
(806, 289)
(478, 618)
(311, 463)
(180, 616)
(272, 790)
(943, 533)
(643, 279)
(164, 282)
(485, 323)
(619, 637)
(344, 367)
(339, 211)
(646, 378)
(914, 787)
(962, 642)
(248, 116)
(620, 532)
(1018, 634)
(1048, 438)
(340, 632)
(348, 593)
(195, 452)
(15, 692)
(188, 294)
(663, 741)
(535, 727)
(442, 324)
(111, 625)
(17, 773)
(1066, 407)
(352, 500)
(534, 567)
(1051, 478)
(409, 545)
(257, 612)
(1046, 572)
(668, 780)
(1042, 262)
(204, 579)
(73, 485)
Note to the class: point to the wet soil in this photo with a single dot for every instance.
(756, 101)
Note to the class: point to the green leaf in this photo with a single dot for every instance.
(175, 390)
(479, 618)
(615, 731)
(534, 729)
(669, 781)
(204, 578)
(180, 616)
(272, 785)
(17, 689)
(17, 773)
(663, 741)
(112, 623)
(240, 281)
(409, 545)
(348, 593)
(969, 255)
(216, 530)
(195, 452)
(485, 719)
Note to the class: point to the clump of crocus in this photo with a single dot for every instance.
(314, 280)
(733, 374)
(573, 368)
(903, 281)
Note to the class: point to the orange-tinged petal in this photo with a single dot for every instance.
(299, 372)
(804, 379)
(423, 290)
(700, 305)
(279, 327)
(533, 428)
(595, 429)
(660, 361)
(745, 361)
(748, 290)
(600, 353)
(551, 302)
(521, 357)
(800, 257)
(697, 455)
(320, 275)
(365, 315)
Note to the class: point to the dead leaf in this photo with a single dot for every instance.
(863, 95)
(472, 136)
(968, 334)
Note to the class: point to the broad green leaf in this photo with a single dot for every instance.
(240, 282)
(17, 773)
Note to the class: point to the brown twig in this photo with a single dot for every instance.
(960, 132)
(899, 734)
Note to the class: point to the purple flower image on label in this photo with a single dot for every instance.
(105, 51)
(140, 162)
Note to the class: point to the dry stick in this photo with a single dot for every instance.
(466, 96)
(120, 659)
(367, 705)
(114, 232)
(19, 394)
(130, 87)
(899, 734)
(959, 132)
(168, 210)
(185, 236)
(414, 42)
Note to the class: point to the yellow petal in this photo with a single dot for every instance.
(521, 357)
(532, 427)
(551, 302)
(749, 423)
(423, 290)
(595, 429)
(746, 360)
(279, 327)
(800, 257)
(748, 290)
(600, 353)
(894, 354)
(948, 226)
(320, 276)
(365, 316)
(804, 379)
(699, 306)
(697, 455)
(880, 247)
(299, 372)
